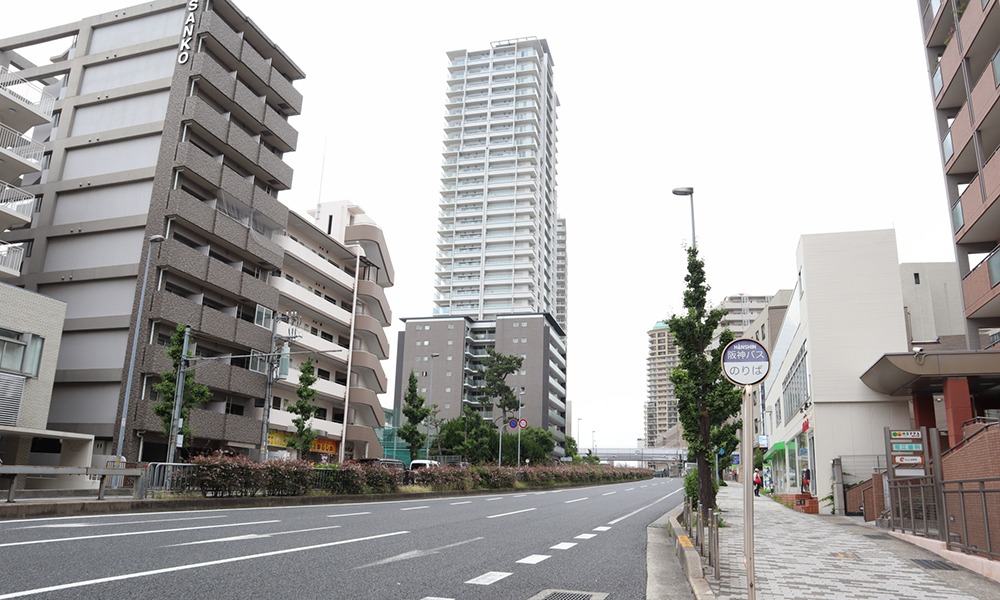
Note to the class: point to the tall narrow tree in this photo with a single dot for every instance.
(304, 410)
(705, 398)
(194, 393)
(416, 412)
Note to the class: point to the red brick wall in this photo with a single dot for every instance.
(855, 497)
(977, 458)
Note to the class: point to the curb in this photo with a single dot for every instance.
(689, 558)
(26, 509)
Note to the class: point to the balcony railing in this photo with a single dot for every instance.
(26, 92)
(15, 199)
(17, 144)
(11, 256)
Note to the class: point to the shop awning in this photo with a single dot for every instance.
(773, 449)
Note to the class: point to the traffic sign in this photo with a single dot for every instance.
(513, 423)
(522, 423)
(745, 362)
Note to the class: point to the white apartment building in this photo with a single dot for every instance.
(498, 225)
(741, 311)
(661, 403)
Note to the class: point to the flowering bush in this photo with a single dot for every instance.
(443, 479)
(343, 479)
(496, 478)
(380, 480)
(285, 477)
(220, 476)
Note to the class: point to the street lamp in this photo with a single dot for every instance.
(430, 394)
(688, 191)
(153, 239)
(520, 403)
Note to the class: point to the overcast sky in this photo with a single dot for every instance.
(786, 119)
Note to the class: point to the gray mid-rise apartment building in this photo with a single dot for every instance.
(170, 119)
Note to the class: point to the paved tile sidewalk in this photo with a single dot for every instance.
(796, 557)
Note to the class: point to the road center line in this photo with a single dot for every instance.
(457, 503)
(609, 493)
(130, 533)
(572, 501)
(511, 513)
(637, 511)
(348, 515)
(223, 561)
(492, 499)
(415, 508)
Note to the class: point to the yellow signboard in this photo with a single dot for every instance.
(281, 439)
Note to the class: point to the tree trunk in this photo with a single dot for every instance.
(706, 492)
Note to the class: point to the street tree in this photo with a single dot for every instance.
(434, 425)
(416, 412)
(705, 398)
(571, 448)
(194, 393)
(498, 367)
(304, 409)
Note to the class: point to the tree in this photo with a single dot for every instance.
(415, 412)
(705, 399)
(481, 437)
(498, 367)
(194, 393)
(591, 458)
(305, 410)
(571, 448)
(434, 425)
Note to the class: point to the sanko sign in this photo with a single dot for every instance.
(184, 49)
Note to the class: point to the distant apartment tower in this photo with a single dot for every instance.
(171, 121)
(334, 272)
(741, 311)
(498, 231)
(959, 39)
(562, 276)
(449, 351)
(661, 403)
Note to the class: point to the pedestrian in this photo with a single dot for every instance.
(757, 482)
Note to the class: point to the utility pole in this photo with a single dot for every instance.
(173, 440)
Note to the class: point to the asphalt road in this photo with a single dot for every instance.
(504, 546)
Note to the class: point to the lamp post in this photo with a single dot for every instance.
(520, 403)
(688, 191)
(153, 239)
(430, 394)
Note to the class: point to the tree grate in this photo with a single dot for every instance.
(877, 536)
(937, 565)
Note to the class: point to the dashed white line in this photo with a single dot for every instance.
(484, 579)
(516, 512)
(252, 536)
(131, 533)
(572, 501)
(74, 525)
(585, 536)
(520, 495)
(457, 503)
(629, 489)
(348, 515)
(601, 528)
(563, 546)
(415, 508)
(534, 559)
(492, 499)
(609, 493)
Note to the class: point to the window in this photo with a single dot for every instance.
(323, 374)
(423, 390)
(321, 414)
(447, 373)
(524, 340)
(515, 323)
(276, 403)
(524, 324)
(417, 359)
(263, 317)
(426, 342)
(447, 389)
(447, 405)
(451, 342)
(419, 327)
(258, 362)
(418, 342)
(423, 373)
(21, 352)
(451, 326)
(524, 372)
(916, 278)
(449, 358)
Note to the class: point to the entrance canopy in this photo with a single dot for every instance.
(919, 374)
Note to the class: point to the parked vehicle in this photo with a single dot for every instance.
(389, 463)
(420, 464)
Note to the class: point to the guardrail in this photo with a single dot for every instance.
(11, 472)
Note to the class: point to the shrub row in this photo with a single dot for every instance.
(222, 476)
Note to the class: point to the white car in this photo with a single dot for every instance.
(420, 464)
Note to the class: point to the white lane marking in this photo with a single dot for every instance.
(643, 486)
(484, 579)
(435, 598)
(55, 525)
(637, 511)
(572, 501)
(415, 554)
(511, 513)
(252, 536)
(602, 528)
(609, 493)
(77, 584)
(130, 533)
(585, 536)
(457, 503)
(563, 546)
(348, 515)
(534, 559)
(492, 499)
(520, 495)
(415, 508)
(629, 489)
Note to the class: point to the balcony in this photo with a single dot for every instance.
(20, 155)
(24, 104)
(16, 206)
(280, 419)
(11, 256)
(982, 295)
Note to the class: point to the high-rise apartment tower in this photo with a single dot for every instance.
(498, 230)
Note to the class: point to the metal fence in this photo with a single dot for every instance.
(913, 506)
(972, 522)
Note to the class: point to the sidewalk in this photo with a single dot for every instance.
(826, 557)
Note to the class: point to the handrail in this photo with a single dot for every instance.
(26, 92)
(12, 141)
(973, 436)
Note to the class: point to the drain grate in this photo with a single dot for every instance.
(937, 565)
(877, 536)
(568, 595)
